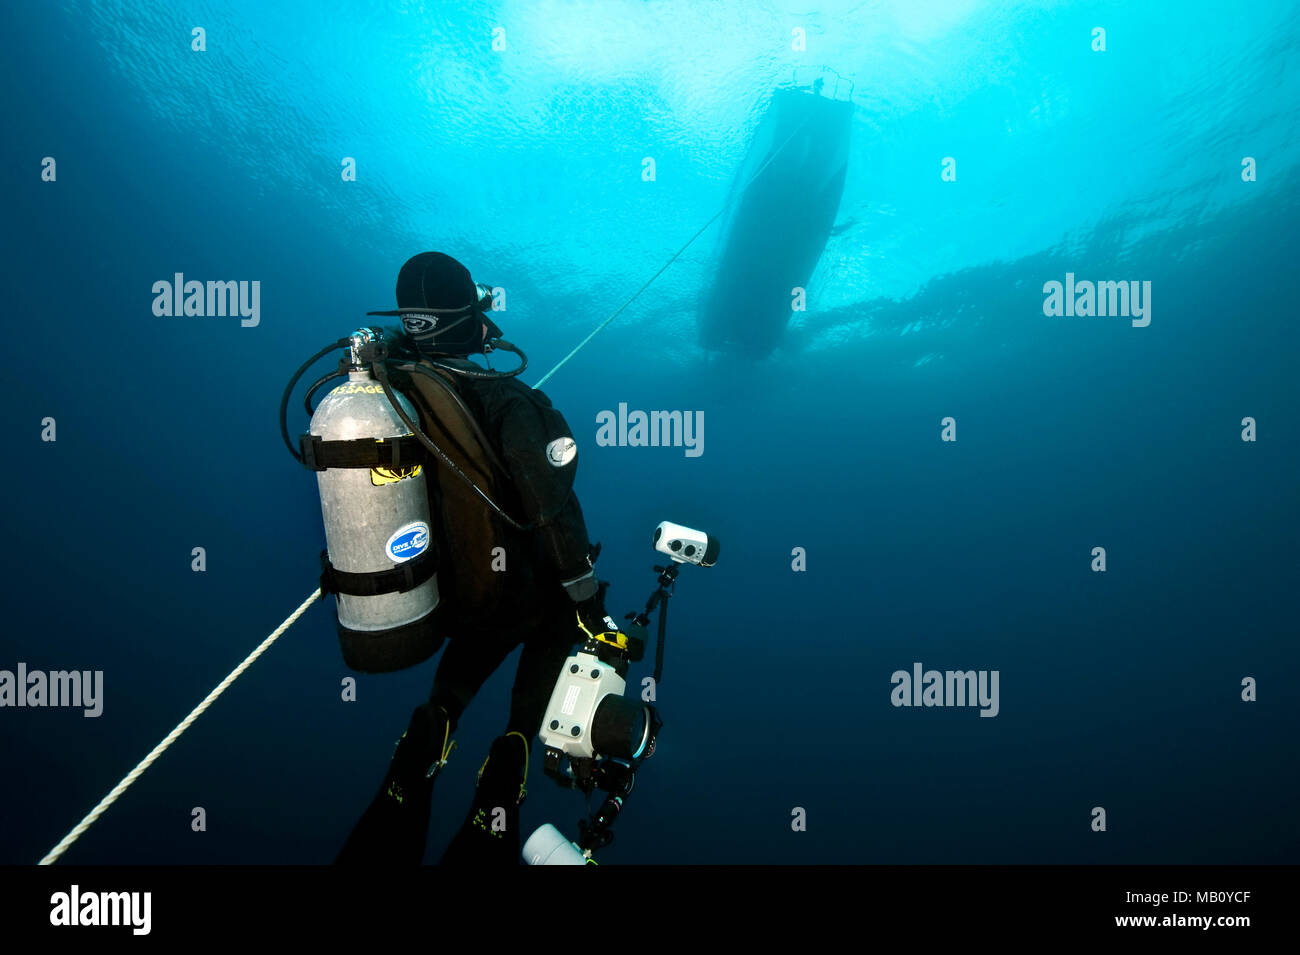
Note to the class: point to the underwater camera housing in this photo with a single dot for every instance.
(588, 719)
(604, 735)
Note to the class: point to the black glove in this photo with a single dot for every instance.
(593, 619)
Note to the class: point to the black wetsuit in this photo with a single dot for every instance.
(530, 604)
(485, 611)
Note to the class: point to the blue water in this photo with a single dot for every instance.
(1119, 690)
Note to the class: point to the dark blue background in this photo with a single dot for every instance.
(1119, 690)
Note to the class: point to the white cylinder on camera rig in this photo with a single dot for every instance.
(547, 846)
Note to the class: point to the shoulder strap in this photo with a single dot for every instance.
(446, 413)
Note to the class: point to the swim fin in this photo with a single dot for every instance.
(490, 835)
(395, 827)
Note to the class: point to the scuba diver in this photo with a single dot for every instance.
(516, 567)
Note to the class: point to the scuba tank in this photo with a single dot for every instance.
(369, 450)
(380, 556)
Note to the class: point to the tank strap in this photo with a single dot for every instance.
(319, 454)
(397, 580)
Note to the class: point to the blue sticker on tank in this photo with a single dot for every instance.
(409, 540)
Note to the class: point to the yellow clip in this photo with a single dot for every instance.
(619, 641)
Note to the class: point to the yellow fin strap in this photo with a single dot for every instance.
(522, 790)
(448, 744)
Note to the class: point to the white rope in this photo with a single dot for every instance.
(619, 310)
(158, 750)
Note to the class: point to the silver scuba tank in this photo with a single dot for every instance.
(377, 528)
